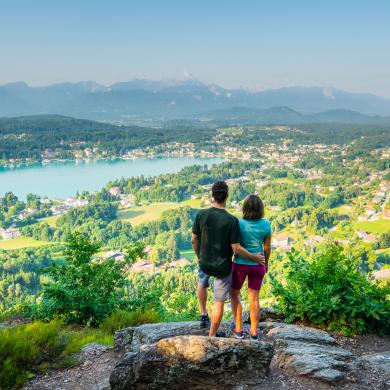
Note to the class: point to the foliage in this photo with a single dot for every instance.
(384, 240)
(23, 348)
(329, 290)
(79, 289)
(120, 319)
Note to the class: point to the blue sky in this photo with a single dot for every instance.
(254, 44)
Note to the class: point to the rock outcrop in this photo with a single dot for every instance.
(195, 362)
(379, 360)
(180, 356)
(312, 353)
(130, 339)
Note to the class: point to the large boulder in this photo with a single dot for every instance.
(380, 360)
(312, 353)
(300, 333)
(130, 339)
(194, 362)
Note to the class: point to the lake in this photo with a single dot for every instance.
(64, 179)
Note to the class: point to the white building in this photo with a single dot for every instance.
(8, 234)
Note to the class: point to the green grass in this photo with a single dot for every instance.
(22, 242)
(376, 227)
(51, 221)
(343, 209)
(189, 254)
(138, 215)
(194, 203)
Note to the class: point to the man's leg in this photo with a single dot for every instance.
(202, 297)
(254, 309)
(216, 317)
(221, 294)
(236, 309)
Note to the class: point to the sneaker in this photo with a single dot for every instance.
(220, 334)
(254, 337)
(204, 321)
(238, 335)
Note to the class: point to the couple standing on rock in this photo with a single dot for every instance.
(218, 238)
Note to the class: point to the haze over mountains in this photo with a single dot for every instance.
(191, 99)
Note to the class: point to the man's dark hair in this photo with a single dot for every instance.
(220, 191)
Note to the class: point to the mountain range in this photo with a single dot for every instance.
(141, 99)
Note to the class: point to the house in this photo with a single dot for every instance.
(116, 191)
(361, 234)
(116, 255)
(75, 202)
(281, 241)
(180, 263)
(370, 239)
(143, 266)
(8, 234)
(386, 214)
(382, 274)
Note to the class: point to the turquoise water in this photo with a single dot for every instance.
(61, 180)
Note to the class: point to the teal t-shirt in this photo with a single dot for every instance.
(253, 234)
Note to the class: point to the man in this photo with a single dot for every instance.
(215, 237)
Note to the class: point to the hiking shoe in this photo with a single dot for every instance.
(238, 335)
(254, 337)
(204, 321)
(220, 334)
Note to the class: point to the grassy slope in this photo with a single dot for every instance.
(22, 242)
(138, 215)
(376, 227)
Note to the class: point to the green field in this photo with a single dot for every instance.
(189, 254)
(138, 215)
(376, 227)
(51, 221)
(22, 242)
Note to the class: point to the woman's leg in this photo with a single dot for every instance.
(254, 309)
(237, 280)
(236, 308)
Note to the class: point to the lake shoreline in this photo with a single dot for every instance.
(63, 179)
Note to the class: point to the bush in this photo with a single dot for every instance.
(25, 347)
(329, 290)
(81, 290)
(120, 319)
(38, 346)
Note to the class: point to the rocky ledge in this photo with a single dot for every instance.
(180, 355)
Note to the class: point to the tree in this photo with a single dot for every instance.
(384, 240)
(82, 289)
(330, 290)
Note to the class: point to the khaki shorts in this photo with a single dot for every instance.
(221, 285)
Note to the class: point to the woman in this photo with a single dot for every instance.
(255, 237)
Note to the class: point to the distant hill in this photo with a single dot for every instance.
(286, 115)
(183, 99)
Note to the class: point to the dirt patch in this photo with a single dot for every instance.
(93, 374)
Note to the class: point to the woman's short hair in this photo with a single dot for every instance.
(253, 208)
(220, 191)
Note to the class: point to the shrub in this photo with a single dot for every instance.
(120, 319)
(81, 290)
(329, 290)
(25, 347)
(38, 346)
